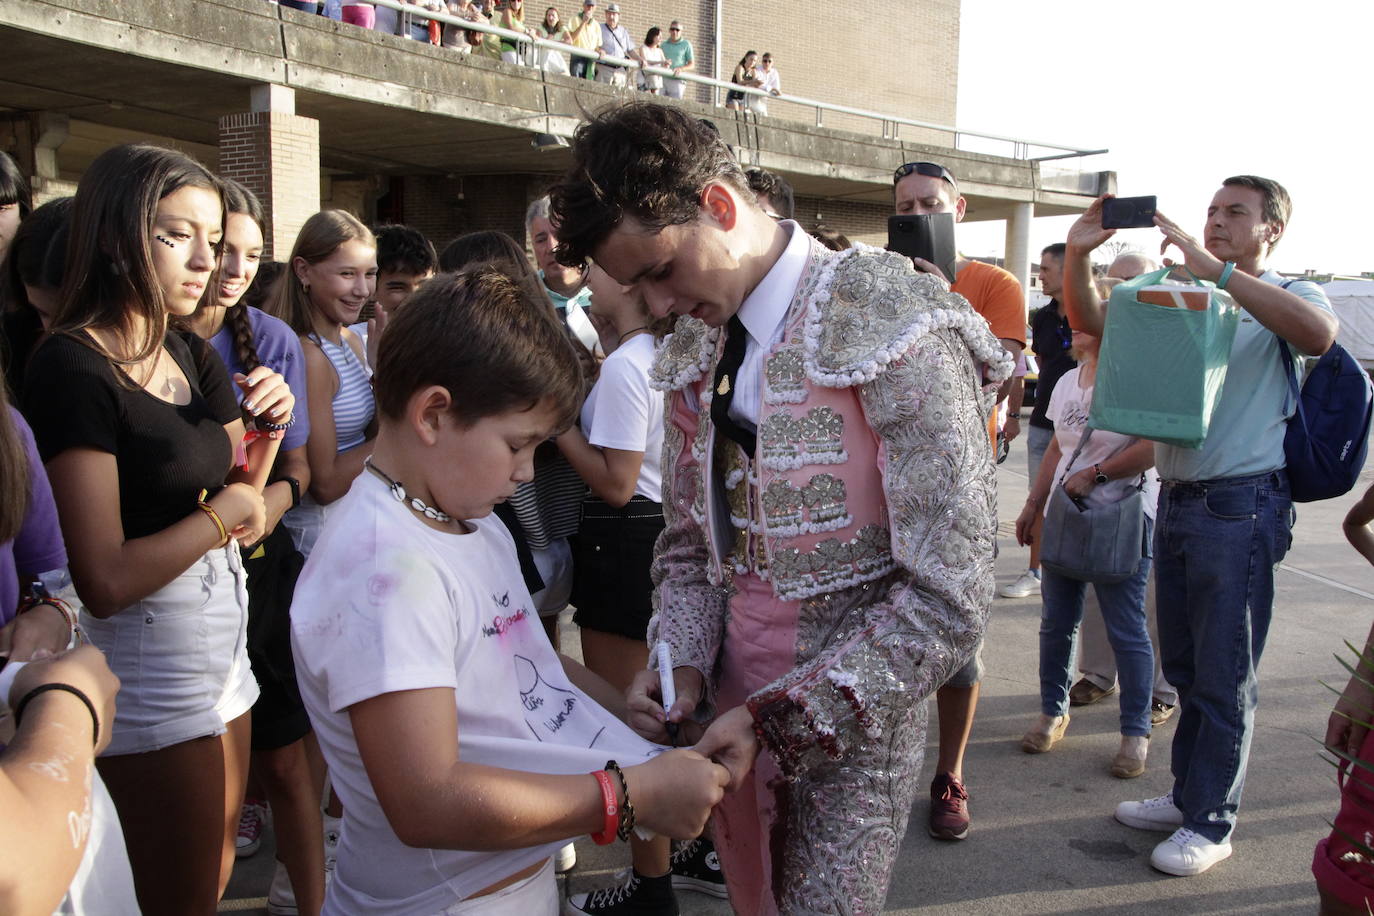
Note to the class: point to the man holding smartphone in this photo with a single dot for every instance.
(1224, 509)
(920, 188)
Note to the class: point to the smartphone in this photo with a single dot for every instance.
(929, 236)
(1128, 212)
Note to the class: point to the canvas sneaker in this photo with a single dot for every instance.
(1186, 853)
(948, 807)
(696, 867)
(1027, 584)
(638, 896)
(1151, 814)
(252, 820)
(332, 828)
(1161, 712)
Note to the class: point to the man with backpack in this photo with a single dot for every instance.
(1225, 509)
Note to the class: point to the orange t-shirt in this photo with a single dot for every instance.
(994, 294)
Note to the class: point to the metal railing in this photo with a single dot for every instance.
(890, 125)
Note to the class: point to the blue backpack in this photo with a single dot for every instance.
(1328, 437)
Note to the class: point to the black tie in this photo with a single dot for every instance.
(723, 393)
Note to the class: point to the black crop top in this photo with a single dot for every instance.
(167, 453)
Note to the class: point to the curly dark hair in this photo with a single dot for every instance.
(403, 250)
(777, 189)
(644, 160)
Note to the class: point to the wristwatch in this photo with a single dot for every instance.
(295, 486)
(1098, 477)
(1014, 416)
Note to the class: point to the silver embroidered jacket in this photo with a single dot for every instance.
(870, 500)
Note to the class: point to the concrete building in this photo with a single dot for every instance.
(309, 112)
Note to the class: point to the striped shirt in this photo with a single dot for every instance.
(354, 406)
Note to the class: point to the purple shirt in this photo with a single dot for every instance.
(39, 547)
(279, 349)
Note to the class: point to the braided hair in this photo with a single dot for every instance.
(238, 199)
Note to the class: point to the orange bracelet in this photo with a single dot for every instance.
(209, 510)
(56, 604)
(612, 809)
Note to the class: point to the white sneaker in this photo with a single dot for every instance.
(1186, 853)
(565, 859)
(281, 899)
(332, 828)
(1026, 585)
(1151, 814)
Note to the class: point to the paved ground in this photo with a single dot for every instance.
(1043, 839)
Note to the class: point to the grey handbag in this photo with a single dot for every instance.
(1100, 544)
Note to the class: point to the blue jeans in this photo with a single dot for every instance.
(1123, 611)
(1216, 545)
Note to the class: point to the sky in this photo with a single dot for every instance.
(1184, 94)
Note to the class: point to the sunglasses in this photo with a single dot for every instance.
(929, 169)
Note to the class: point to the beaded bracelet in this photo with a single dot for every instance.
(67, 688)
(610, 809)
(209, 510)
(627, 810)
(275, 427)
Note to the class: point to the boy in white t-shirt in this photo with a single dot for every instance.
(465, 750)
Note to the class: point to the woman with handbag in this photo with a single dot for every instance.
(1098, 495)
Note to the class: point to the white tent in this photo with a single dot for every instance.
(1353, 301)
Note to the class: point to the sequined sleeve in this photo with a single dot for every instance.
(899, 641)
(689, 611)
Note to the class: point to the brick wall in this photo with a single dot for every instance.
(445, 208)
(277, 157)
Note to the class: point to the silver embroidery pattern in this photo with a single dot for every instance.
(689, 611)
(787, 443)
(785, 377)
(684, 356)
(870, 307)
(846, 725)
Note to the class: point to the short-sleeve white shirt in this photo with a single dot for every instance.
(386, 604)
(623, 412)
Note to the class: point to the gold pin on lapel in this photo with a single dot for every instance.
(724, 387)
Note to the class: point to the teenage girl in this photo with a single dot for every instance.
(331, 275)
(138, 426)
(246, 338)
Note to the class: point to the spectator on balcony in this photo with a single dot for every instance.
(513, 18)
(586, 34)
(553, 29)
(615, 42)
(678, 50)
(455, 36)
(769, 81)
(651, 55)
(356, 12)
(746, 74)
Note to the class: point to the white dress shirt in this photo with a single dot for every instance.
(764, 314)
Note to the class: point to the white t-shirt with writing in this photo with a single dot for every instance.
(1068, 409)
(623, 412)
(386, 604)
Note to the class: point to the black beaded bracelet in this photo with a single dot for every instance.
(627, 810)
(275, 427)
(44, 688)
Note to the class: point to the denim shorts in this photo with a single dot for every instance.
(181, 656)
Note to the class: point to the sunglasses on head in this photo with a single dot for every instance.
(929, 169)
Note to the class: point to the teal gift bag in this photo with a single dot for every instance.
(1162, 366)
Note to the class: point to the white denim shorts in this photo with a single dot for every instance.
(537, 895)
(181, 656)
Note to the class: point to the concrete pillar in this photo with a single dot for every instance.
(1018, 244)
(275, 153)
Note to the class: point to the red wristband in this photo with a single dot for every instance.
(611, 809)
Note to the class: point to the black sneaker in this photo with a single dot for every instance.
(696, 867)
(639, 896)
